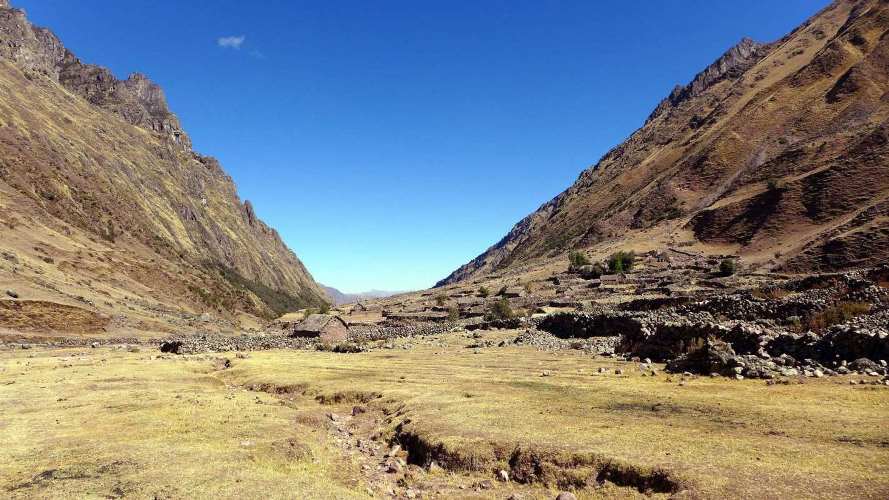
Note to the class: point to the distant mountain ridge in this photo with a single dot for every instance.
(340, 298)
(95, 168)
(777, 152)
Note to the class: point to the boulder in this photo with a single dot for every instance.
(715, 356)
(844, 342)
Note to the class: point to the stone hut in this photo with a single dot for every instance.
(358, 308)
(325, 327)
(612, 279)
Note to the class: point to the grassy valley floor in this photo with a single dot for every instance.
(280, 424)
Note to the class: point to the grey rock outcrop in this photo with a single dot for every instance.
(38, 51)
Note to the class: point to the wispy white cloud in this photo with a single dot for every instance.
(257, 54)
(231, 42)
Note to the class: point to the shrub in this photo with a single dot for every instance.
(502, 291)
(836, 314)
(621, 261)
(577, 259)
(500, 310)
(347, 348)
(440, 300)
(484, 292)
(324, 308)
(592, 272)
(727, 267)
(527, 287)
(453, 313)
(774, 185)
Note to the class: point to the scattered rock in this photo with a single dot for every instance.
(485, 484)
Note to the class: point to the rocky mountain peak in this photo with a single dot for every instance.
(137, 99)
(731, 64)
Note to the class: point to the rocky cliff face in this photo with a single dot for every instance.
(775, 151)
(137, 99)
(85, 156)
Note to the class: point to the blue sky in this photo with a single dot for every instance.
(391, 142)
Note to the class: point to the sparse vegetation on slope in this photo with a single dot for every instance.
(95, 168)
(760, 151)
(622, 261)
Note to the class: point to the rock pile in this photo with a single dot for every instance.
(545, 341)
(499, 324)
(746, 335)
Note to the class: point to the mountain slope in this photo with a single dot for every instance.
(97, 176)
(775, 151)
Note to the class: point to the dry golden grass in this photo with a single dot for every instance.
(175, 428)
(725, 437)
(836, 314)
(111, 424)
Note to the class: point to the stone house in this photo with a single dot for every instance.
(326, 327)
(612, 279)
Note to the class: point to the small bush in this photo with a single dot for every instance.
(483, 292)
(440, 300)
(621, 261)
(834, 315)
(324, 308)
(453, 313)
(775, 185)
(727, 267)
(500, 310)
(592, 272)
(577, 259)
(347, 348)
(527, 287)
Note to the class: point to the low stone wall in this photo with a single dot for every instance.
(385, 332)
(502, 324)
(192, 344)
(585, 325)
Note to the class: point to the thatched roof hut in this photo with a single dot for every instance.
(326, 327)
